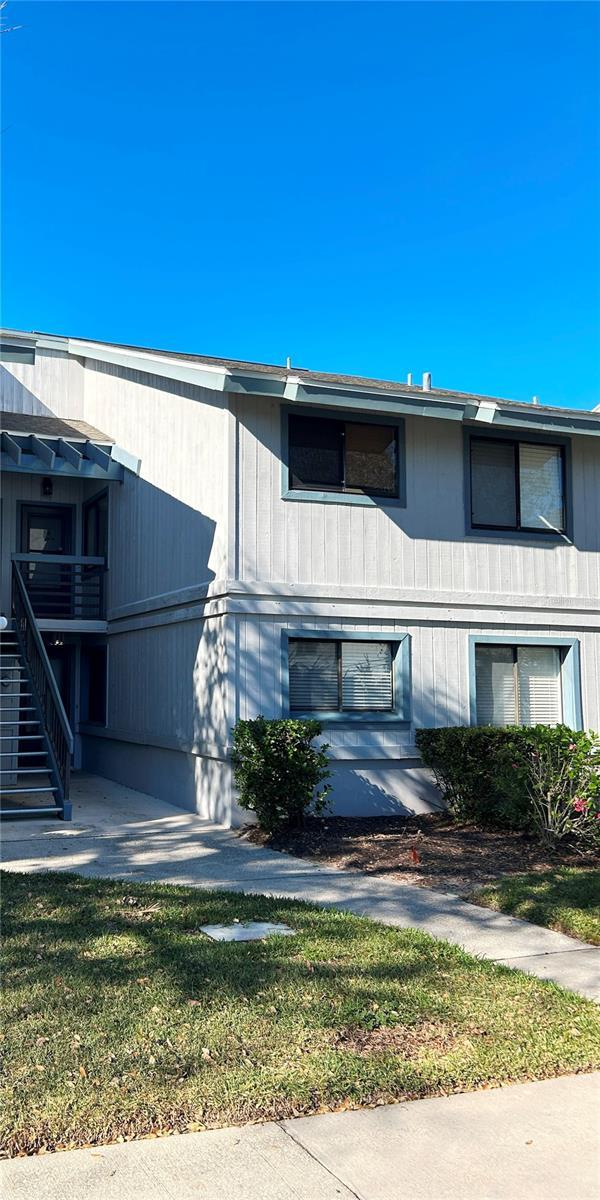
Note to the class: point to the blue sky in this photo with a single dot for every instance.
(368, 188)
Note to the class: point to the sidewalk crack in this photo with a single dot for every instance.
(301, 1146)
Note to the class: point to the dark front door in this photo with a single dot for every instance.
(47, 529)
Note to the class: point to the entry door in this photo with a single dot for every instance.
(48, 529)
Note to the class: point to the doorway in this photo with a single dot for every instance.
(46, 530)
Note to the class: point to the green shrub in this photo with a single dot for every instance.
(278, 771)
(477, 773)
(540, 779)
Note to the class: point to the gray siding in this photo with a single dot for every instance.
(422, 547)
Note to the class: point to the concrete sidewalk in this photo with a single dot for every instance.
(120, 833)
(533, 1141)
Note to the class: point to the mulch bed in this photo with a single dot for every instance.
(432, 850)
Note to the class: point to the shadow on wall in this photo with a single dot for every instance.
(157, 545)
(435, 457)
(15, 397)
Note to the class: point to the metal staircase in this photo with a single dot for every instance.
(35, 738)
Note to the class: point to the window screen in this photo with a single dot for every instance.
(493, 490)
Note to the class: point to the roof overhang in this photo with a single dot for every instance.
(40, 446)
(301, 388)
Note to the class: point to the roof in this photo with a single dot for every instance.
(53, 427)
(45, 445)
(303, 386)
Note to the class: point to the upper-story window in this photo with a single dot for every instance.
(16, 354)
(328, 455)
(517, 485)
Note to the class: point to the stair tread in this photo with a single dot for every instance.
(22, 791)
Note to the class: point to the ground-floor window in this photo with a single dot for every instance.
(518, 685)
(347, 676)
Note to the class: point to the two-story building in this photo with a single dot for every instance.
(189, 540)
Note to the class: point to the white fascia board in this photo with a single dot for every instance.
(24, 337)
(199, 374)
(292, 384)
(127, 460)
(486, 411)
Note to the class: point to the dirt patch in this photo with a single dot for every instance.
(431, 850)
(407, 1041)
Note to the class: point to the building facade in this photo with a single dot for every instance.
(280, 541)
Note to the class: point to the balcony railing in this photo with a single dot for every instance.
(63, 586)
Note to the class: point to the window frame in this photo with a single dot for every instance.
(514, 437)
(400, 713)
(339, 495)
(570, 671)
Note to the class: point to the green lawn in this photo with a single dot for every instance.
(567, 899)
(122, 1019)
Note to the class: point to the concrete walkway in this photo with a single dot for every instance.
(120, 833)
(533, 1141)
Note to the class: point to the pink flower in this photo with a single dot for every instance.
(579, 805)
(598, 816)
(572, 746)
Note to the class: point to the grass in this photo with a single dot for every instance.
(121, 1019)
(566, 899)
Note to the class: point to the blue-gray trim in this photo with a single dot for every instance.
(478, 430)
(570, 672)
(401, 675)
(308, 495)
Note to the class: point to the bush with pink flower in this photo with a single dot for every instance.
(541, 779)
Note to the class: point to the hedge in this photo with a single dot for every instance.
(539, 779)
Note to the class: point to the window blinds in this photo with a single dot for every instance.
(330, 676)
(495, 682)
(313, 672)
(366, 675)
(540, 701)
(541, 488)
(518, 685)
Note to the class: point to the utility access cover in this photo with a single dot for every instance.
(246, 931)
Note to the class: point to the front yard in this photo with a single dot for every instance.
(121, 1019)
(566, 899)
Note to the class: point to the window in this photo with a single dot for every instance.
(517, 485)
(341, 676)
(17, 354)
(352, 457)
(93, 684)
(518, 685)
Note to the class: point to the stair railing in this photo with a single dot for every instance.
(52, 712)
